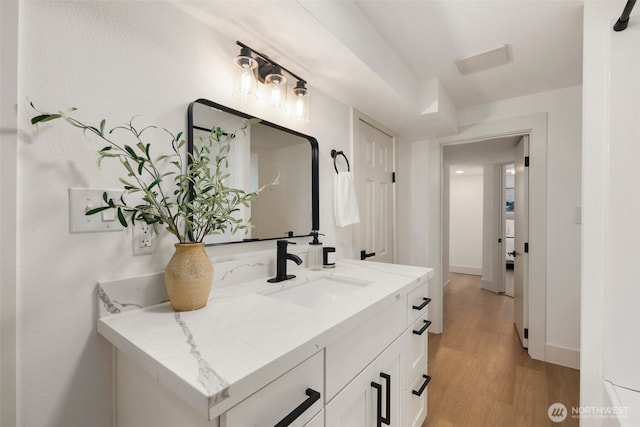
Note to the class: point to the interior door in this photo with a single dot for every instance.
(375, 192)
(521, 256)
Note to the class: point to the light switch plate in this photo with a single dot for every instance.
(83, 199)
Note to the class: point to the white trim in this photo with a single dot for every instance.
(9, 339)
(563, 356)
(536, 126)
(465, 269)
(446, 287)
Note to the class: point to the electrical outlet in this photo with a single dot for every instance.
(144, 239)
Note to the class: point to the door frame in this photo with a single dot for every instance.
(536, 126)
(356, 117)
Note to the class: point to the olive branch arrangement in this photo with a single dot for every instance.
(197, 204)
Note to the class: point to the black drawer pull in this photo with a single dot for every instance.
(423, 305)
(291, 417)
(427, 323)
(387, 420)
(424, 385)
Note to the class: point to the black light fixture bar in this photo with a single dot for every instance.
(272, 62)
(623, 21)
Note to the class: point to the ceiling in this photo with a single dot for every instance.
(394, 59)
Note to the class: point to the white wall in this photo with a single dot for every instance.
(563, 108)
(111, 60)
(609, 109)
(465, 223)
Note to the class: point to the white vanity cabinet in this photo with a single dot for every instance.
(359, 362)
(382, 393)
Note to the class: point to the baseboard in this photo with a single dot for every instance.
(446, 286)
(462, 269)
(562, 356)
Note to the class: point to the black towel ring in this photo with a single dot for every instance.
(334, 155)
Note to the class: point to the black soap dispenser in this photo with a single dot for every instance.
(315, 254)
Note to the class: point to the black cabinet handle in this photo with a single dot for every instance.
(425, 301)
(364, 255)
(424, 385)
(387, 420)
(380, 419)
(378, 388)
(427, 323)
(291, 417)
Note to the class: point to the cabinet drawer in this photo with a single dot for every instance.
(350, 353)
(283, 396)
(415, 406)
(417, 350)
(417, 302)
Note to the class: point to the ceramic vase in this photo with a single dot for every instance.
(188, 277)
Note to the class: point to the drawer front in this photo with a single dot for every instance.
(416, 303)
(417, 350)
(415, 406)
(350, 353)
(286, 395)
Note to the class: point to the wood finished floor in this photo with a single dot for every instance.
(481, 375)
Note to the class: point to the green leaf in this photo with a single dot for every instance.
(132, 153)
(44, 118)
(96, 210)
(102, 123)
(121, 218)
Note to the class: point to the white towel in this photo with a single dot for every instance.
(345, 204)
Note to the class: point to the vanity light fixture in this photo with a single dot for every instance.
(254, 67)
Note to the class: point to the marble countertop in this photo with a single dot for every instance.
(215, 357)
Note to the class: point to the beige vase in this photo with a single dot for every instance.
(188, 277)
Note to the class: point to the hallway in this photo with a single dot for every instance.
(481, 375)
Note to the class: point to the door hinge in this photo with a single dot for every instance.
(393, 177)
(526, 161)
(526, 247)
(526, 333)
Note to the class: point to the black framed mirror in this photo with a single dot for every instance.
(263, 152)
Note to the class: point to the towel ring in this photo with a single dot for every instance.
(334, 155)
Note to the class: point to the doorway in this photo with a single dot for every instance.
(428, 167)
(488, 216)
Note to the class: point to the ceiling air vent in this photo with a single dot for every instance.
(485, 60)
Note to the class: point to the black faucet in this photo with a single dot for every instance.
(281, 262)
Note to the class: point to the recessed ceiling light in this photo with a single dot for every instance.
(484, 60)
(460, 171)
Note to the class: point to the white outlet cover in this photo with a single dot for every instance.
(83, 199)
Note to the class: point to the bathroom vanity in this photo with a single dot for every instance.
(345, 348)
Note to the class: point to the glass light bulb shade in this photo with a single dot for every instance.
(301, 105)
(246, 85)
(276, 92)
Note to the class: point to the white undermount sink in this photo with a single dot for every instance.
(316, 292)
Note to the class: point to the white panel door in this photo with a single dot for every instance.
(521, 259)
(374, 172)
(622, 288)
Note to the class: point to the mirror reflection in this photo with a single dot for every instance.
(260, 154)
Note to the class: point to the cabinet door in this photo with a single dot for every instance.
(357, 404)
